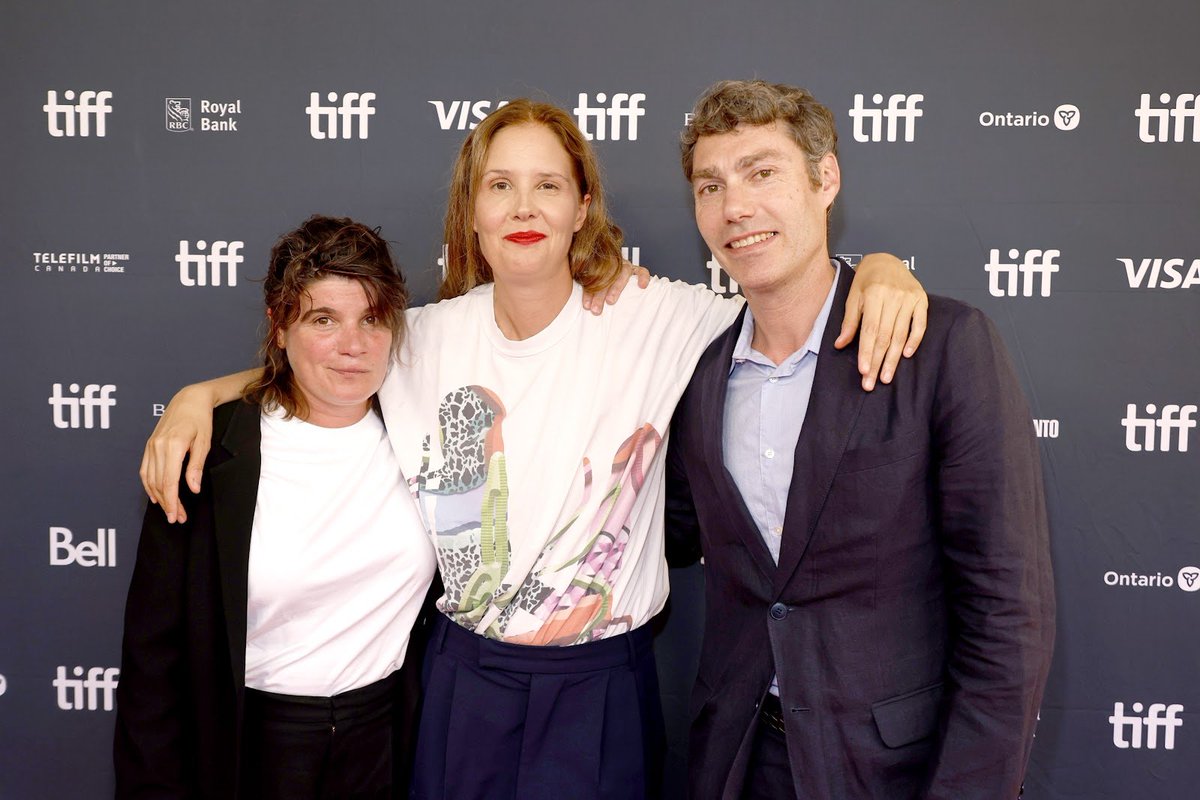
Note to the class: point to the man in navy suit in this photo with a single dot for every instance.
(880, 607)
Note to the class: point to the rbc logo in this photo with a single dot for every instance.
(100, 553)
(1172, 417)
(468, 113)
(601, 123)
(1159, 715)
(323, 121)
(1168, 122)
(76, 116)
(869, 122)
(179, 114)
(95, 396)
(1035, 265)
(92, 692)
(223, 258)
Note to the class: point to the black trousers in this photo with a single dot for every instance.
(769, 774)
(319, 748)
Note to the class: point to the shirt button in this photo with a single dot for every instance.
(772, 380)
(770, 453)
(777, 530)
(778, 611)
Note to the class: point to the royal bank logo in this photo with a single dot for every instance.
(1136, 731)
(1163, 430)
(890, 122)
(179, 114)
(613, 118)
(80, 263)
(345, 118)
(1024, 274)
(82, 407)
(100, 552)
(1065, 118)
(209, 266)
(92, 692)
(853, 260)
(1170, 121)
(82, 116)
(463, 115)
(1161, 273)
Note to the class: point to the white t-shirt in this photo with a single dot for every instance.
(537, 464)
(339, 560)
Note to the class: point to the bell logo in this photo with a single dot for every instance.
(75, 119)
(463, 115)
(92, 692)
(601, 123)
(1159, 715)
(1170, 121)
(203, 269)
(67, 409)
(100, 553)
(1141, 432)
(1035, 267)
(324, 122)
(1161, 273)
(869, 122)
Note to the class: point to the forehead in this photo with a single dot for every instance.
(527, 146)
(721, 152)
(332, 291)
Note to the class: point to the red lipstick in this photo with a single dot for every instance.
(525, 237)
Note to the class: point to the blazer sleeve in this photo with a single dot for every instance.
(682, 524)
(154, 747)
(995, 542)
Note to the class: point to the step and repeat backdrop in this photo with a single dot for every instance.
(1039, 160)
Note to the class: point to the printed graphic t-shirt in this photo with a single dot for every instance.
(537, 464)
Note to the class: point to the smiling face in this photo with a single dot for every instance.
(756, 206)
(338, 351)
(528, 206)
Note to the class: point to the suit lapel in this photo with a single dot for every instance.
(712, 411)
(837, 397)
(235, 493)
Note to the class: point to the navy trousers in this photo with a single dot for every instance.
(504, 721)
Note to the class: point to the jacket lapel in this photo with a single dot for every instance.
(837, 397)
(235, 493)
(712, 411)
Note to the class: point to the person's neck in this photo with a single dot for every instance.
(336, 416)
(784, 315)
(525, 309)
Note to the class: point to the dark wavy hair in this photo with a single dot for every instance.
(322, 247)
(595, 255)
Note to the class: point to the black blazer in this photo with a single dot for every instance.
(911, 616)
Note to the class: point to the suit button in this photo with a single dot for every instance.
(778, 611)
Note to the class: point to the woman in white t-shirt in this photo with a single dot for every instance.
(530, 434)
(262, 641)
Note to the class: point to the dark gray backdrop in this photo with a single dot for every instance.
(1094, 338)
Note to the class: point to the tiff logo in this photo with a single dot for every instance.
(1172, 418)
(100, 553)
(1159, 715)
(714, 278)
(1168, 122)
(1161, 273)
(323, 121)
(201, 269)
(869, 122)
(95, 396)
(61, 118)
(602, 122)
(468, 113)
(1036, 264)
(72, 692)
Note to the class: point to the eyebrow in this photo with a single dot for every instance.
(326, 310)
(507, 172)
(742, 163)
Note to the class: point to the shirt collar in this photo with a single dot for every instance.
(743, 351)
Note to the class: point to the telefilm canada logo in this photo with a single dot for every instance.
(1142, 726)
(1163, 429)
(66, 550)
(77, 263)
(1065, 118)
(890, 119)
(347, 116)
(1170, 120)
(215, 265)
(1026, 274)
(215, 116)
(90, 689)
(1187, 579)
(1161, 273)
(79, 114)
